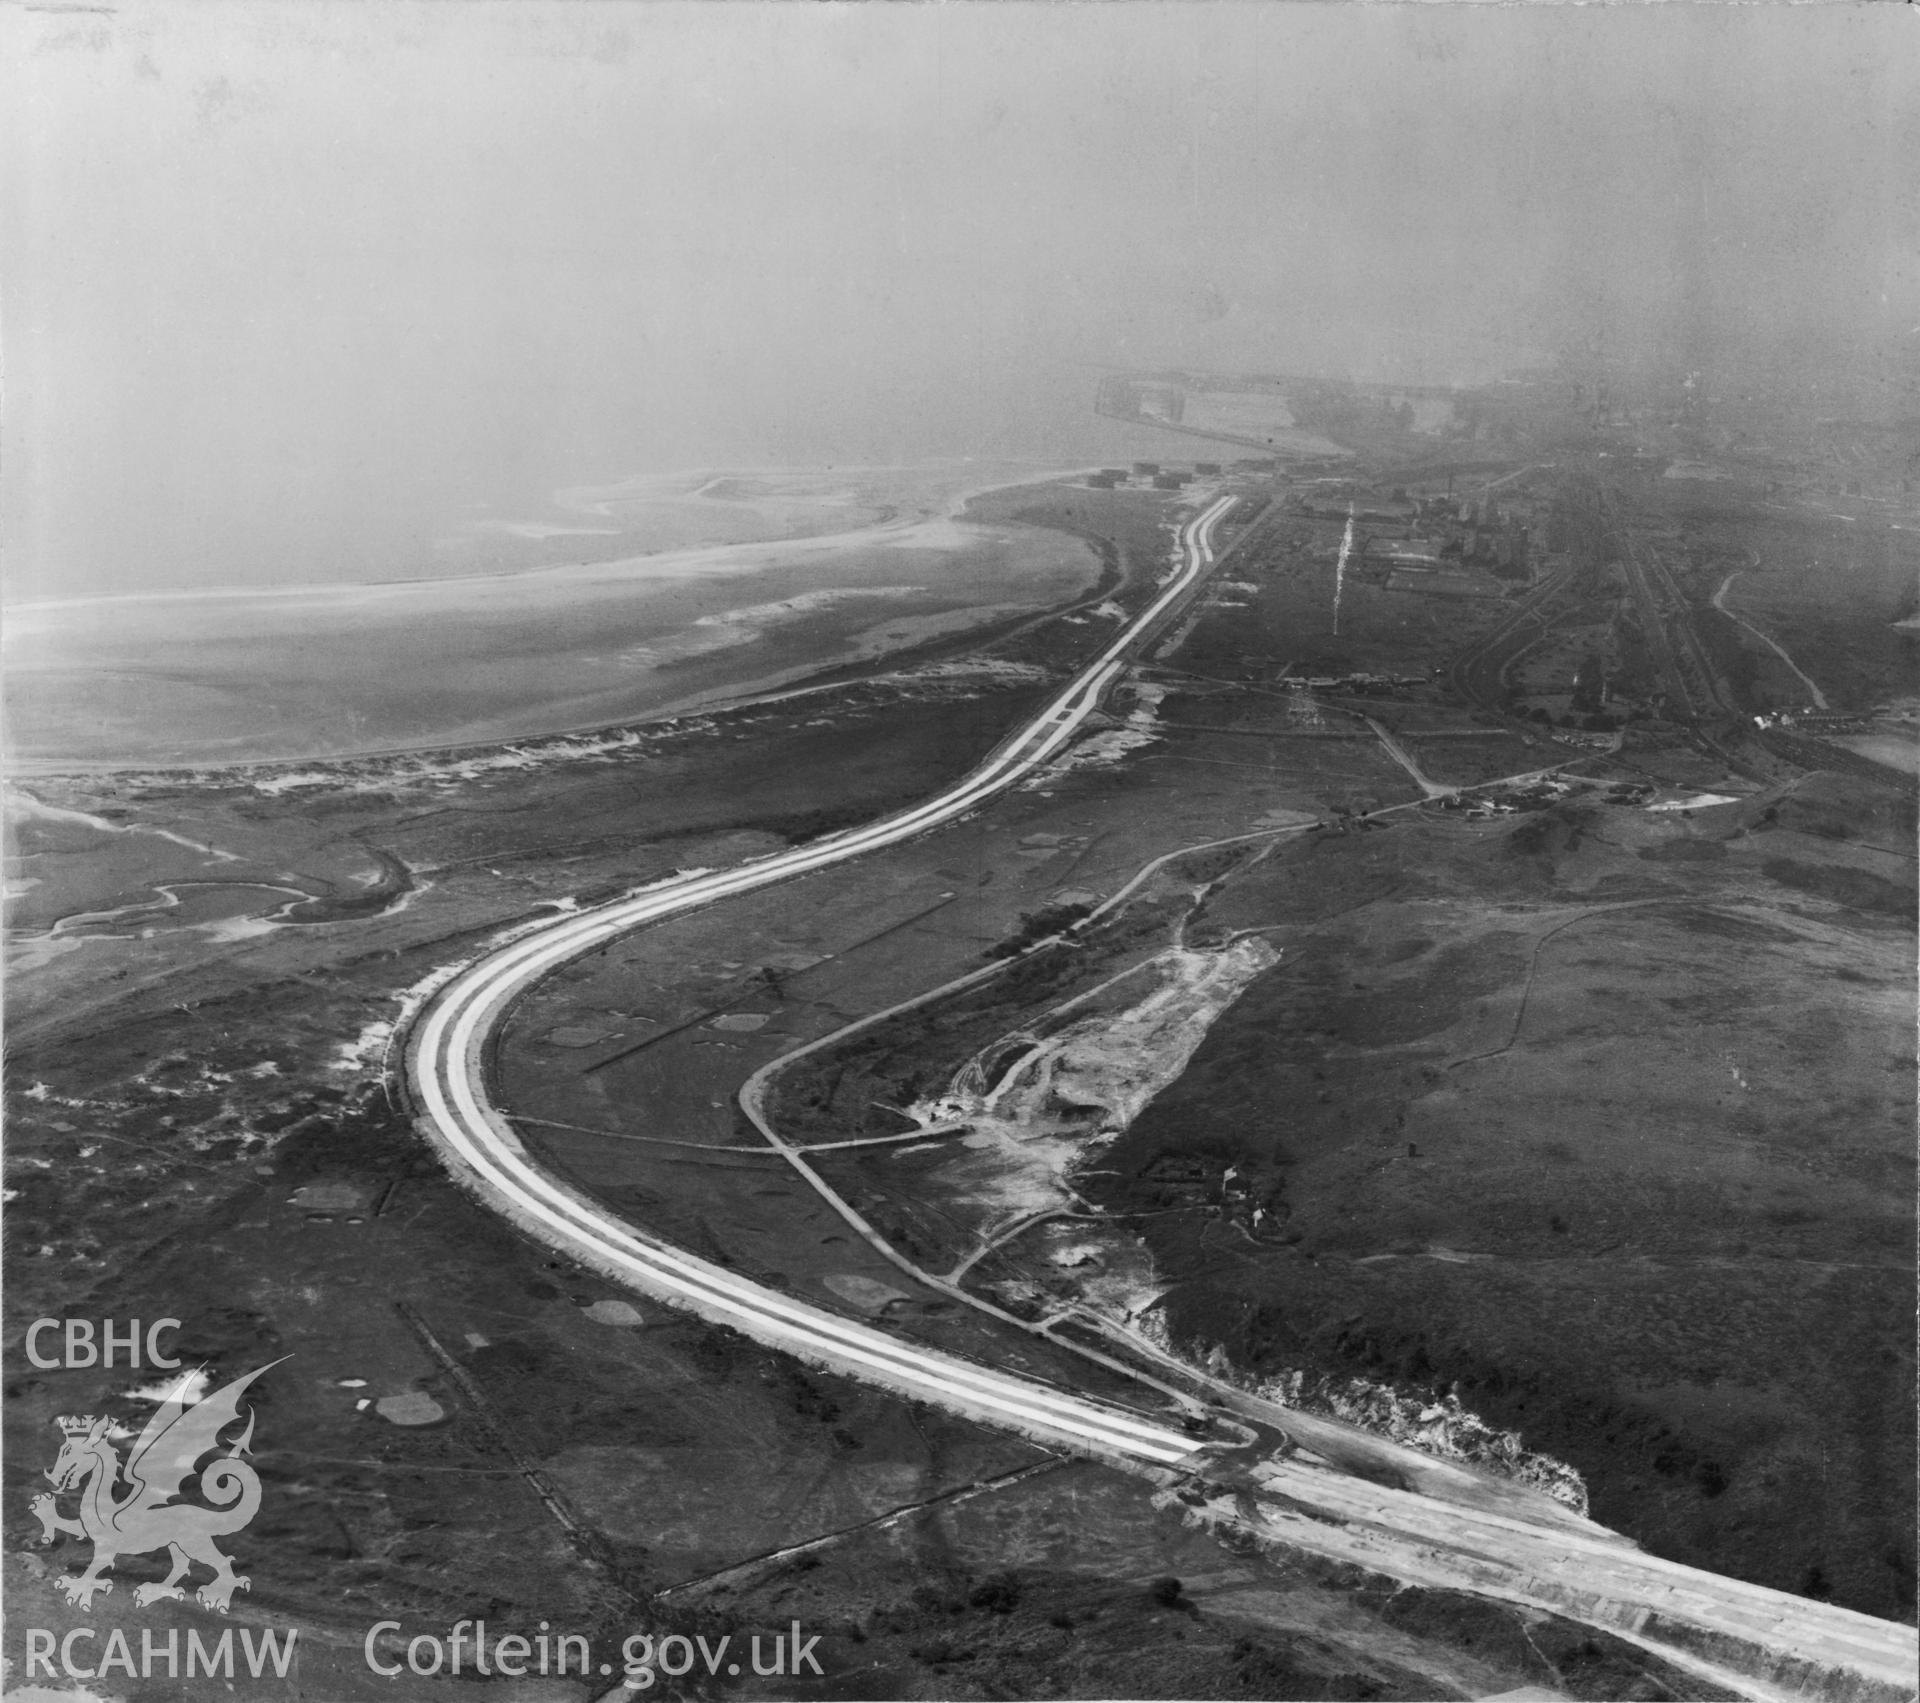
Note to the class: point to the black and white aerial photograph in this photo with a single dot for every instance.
(935, 851)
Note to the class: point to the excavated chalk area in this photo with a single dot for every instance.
(1043, 1100)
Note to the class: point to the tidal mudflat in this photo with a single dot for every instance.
(207, 675)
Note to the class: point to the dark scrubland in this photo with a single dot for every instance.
(1601, 1118)
(1829, 589)
(191, 1133)
(1024, 1620)
(198, 1149)
(718, 787)
(1691, 1287)
(1608, 1127)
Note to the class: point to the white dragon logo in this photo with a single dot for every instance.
(150, 1515)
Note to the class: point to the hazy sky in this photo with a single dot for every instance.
(288, 285)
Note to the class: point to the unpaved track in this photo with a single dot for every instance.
(446, 1069)
(1766, 1643)
(1772, 644)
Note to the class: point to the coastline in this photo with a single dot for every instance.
(953, 507)
(846, 630)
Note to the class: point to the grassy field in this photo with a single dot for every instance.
(1602, 1115)
(1606, 1122)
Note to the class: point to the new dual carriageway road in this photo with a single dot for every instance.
(1760, 1643)
(446, 1073)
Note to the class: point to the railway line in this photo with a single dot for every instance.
(1760, 1643)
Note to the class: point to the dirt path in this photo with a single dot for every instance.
(1720, 603)
(1404, 758)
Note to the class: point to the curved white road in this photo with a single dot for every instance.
(1774, 1645)
(446, 1071)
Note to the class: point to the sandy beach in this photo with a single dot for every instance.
(207, 675)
